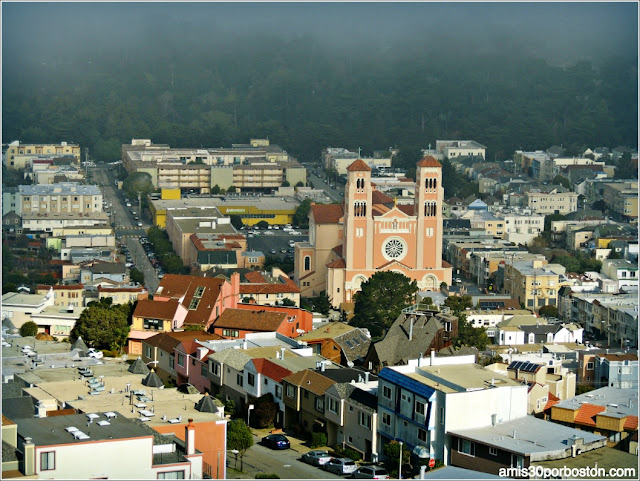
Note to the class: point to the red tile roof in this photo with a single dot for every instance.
(378, 197)
(271, 370)
(327, 213)
(359, 166)
(120, 289)
(147, 308)
(338, 250)
(248, 320)
(631, 423)
(59, 287)
(168, 341)
(587, 413)
(285, 285)
(408, 209)
(310, 381)
(553, 400)
(254, 276)
(176, 286)
(337, 264)
(429, 161)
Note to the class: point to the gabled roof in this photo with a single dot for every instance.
(587, 413)
(429, 161)
(168, 341)
(337, 264)
(282, 285)
(234, 358)
(327, 213)
(311, 381)
(359, 166)
(408, 209)
(378, 197)
(271, 370)
(184, 287)
(250, 320)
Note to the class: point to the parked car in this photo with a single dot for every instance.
(276, 441)
(26, 349)
(340, 466)
(94, 353)
(371, 472)
(317, 457)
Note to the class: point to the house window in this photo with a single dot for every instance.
(386, 419)
(590, 366)
(278, 392)
(203, 370)
(333, 405)
(180, 360)
(307, 263)
(172, 363)
(47, 461)
(441, 415)
(215, 368)
(266, 381)
(239, 379)
(420, 407)
(229, 333)
(289, 391)
(517, 461)
(466, 447)
(422, 435)
(306, 394)
(147, 351)
(365, 420)
(171, 475)
(386, 392)
(251, 379)
(493, 451)
(319, 404)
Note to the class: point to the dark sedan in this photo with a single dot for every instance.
(276, 441)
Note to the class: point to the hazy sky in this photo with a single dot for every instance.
(565, 29)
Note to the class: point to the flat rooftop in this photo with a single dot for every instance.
(52, 430)
(618, 401)
(261, 202)
(606, 458)
(460, 378)
(528, 436)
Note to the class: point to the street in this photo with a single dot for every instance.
(285, 463)
(334, 194)
(125, 228)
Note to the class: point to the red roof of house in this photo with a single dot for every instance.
(359, 166)
(121, 289)
(553, 400)
(165, 310)
(408, 209)
(631, 423)
(286, 285)
(254, 276)
(618, 357)
(587, 413)
(327, 213)
(270, 369)
(177, 286)
(249, 320)
(338, 250)
(429, 161)
(60, 287)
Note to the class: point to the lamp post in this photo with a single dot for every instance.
(235, 451)
(249, 413)
(400, 465)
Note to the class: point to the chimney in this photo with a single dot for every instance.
(277, 354)
(494, 419)
(29, 457)
(190, 438)
(514, 434)
(419, 359)
(282, 353)
(322, 366)
(433, 356)
(244, 344)
(366, 377)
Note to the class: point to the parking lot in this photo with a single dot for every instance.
(274, 240)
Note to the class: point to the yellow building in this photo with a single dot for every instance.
(273, 210)
(534, 283)
(19, 155)
(622, 198)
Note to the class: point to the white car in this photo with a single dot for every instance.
(340, 466)
(94, 353)
(26, 349)
(316, 457)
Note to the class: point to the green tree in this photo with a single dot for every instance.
(301, 216)
(560, 180)
(28, 329)
(138, 183)
(381, 300)
(626, 168)
(458, 304)
(236, 221)
(322, 303)
(469, 335)
(614, 255)
(265, 411)
(286, 183)
(300, 184)
(548, 311)
(287, 302)
(215, 190)
(231, 189)
(137, 277)
(392, 452)
(263, 224)
(239, 437)
(103, 326)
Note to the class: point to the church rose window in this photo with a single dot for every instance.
(394, 248)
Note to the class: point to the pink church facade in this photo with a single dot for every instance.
(368, 233)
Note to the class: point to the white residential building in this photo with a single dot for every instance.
(460, 148)
(553, 202)
(622, 271)
(419, 403)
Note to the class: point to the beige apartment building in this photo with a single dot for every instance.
(534, 283)
(622, 198)
(19, 156)
(254, 166)
(62, 198)
(553, 202)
